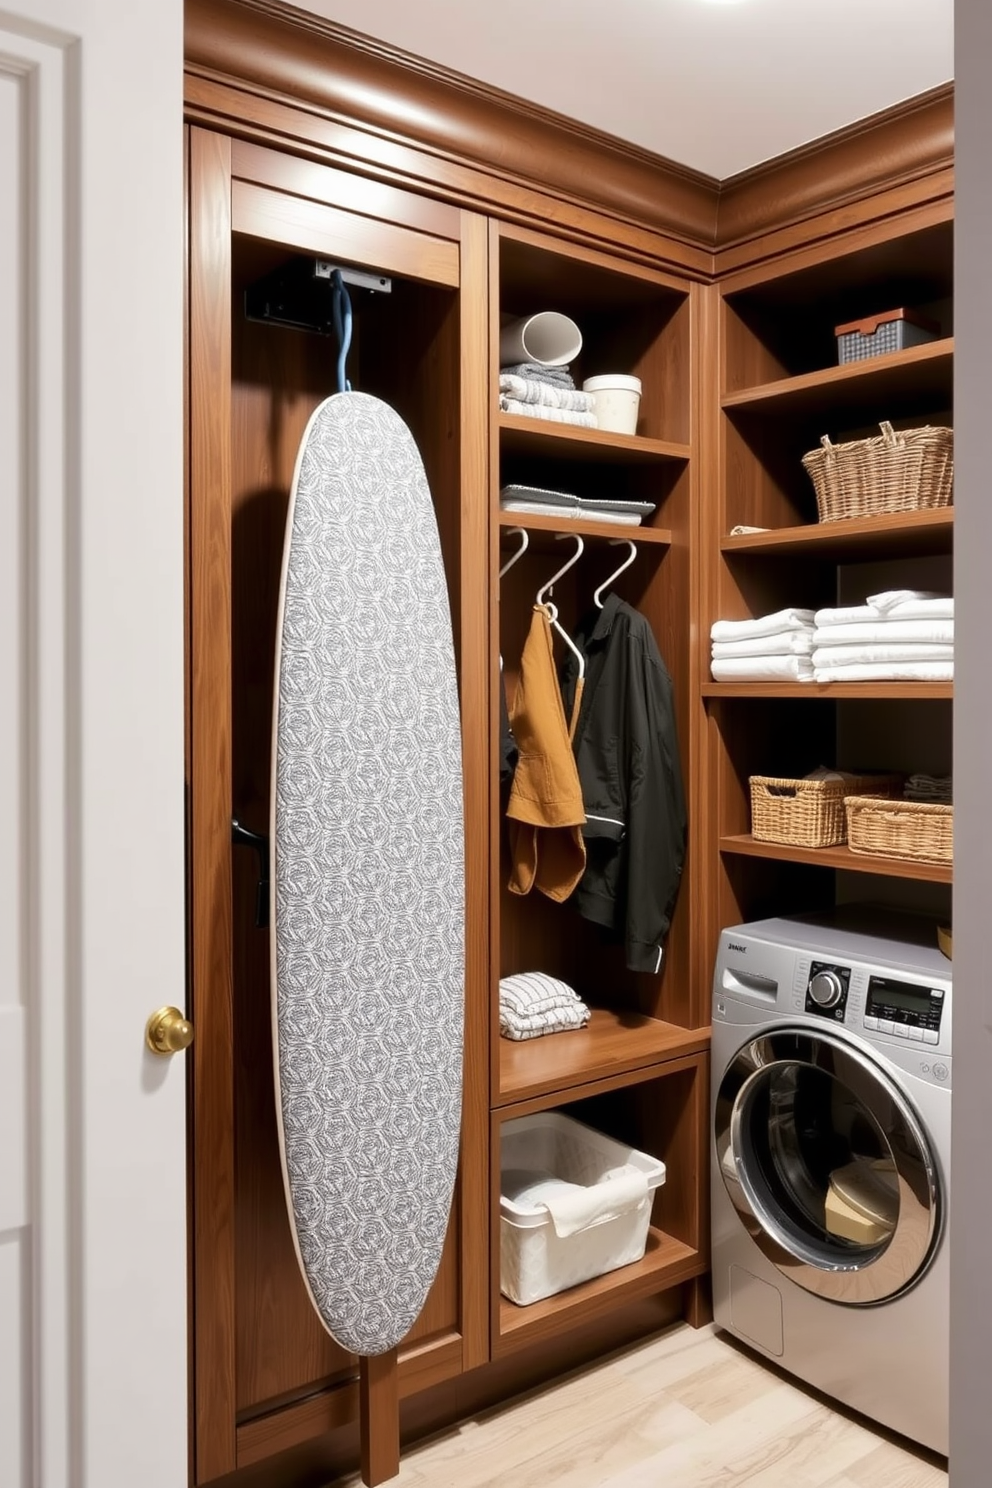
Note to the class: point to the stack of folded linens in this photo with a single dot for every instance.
(771, 648)
(535, 391)
(899, 635)
(532, 1003)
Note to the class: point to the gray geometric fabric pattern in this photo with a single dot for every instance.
(368, 882)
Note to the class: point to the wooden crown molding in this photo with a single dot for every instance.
(254, 55)
(266, 48)
(912, 140)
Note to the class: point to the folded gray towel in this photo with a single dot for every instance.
(559, 377)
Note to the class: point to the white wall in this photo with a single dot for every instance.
(971, 1250)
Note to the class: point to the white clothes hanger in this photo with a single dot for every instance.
(525, 535)
(552, 608)
(580, 548)
(614, 541)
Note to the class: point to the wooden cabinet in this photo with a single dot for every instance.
(267, 1373)
(306, 144)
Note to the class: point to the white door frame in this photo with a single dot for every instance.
(92, 1173)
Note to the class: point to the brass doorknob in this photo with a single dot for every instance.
(168, 1031)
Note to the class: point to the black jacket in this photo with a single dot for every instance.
(628, 760)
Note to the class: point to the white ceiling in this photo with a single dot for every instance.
(718, 85)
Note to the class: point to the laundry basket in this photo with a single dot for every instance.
(600, 1192)
(809, 813)
(905, 471)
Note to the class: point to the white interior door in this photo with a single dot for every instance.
(92, 1197)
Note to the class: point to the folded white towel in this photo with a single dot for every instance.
(577, 1206)
(762, 669)
(917, 607)
(764, 625)
(886, 632)
(939, 608)
(837, 656)
(785, 643)
(529, 390)
(891, 599)
(889, 671)
(553, 415)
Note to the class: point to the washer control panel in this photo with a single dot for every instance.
(910, 1010)
(827, 989)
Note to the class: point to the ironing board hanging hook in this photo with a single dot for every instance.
(341, 311)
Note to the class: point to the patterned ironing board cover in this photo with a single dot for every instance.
(368, 882)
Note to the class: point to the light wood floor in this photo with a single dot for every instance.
(687, 1409)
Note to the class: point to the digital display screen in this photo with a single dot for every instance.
(905, 996)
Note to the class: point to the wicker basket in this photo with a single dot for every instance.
(900, 829)
(808, 813)
(906, 471)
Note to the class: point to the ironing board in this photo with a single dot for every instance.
(367, 897)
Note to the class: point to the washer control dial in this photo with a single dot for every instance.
(826, 989)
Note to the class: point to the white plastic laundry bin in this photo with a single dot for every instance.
(573, 1204)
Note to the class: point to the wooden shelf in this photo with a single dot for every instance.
(585, 527)
(922, 375)
(897, 534)
(612, 1043)
(666, 1263)
(839, 857)
(828, 690)
(529, 436)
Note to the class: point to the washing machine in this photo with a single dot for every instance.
(831, 1130)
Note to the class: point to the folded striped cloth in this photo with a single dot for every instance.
(554, 415)
(529, 390)
(532, 1003)
(559, 377)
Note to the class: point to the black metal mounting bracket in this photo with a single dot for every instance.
(242, 837)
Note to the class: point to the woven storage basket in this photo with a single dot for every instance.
(906, 471)
(900, 829)
(808, 813)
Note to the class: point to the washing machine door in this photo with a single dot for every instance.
(827, 1166)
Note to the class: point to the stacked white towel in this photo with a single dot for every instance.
(771, 648)
(540, 397)
(532, 1003)
(899, 635)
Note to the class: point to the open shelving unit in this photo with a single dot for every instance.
(637, 1071)
(781, 391)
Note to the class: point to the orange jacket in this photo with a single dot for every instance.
(545, 812)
